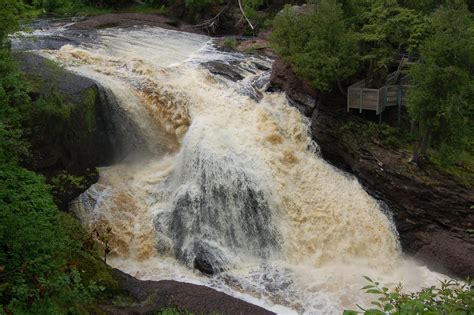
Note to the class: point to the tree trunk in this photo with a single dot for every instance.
(422, 145)
(370, 75)
(341, 89)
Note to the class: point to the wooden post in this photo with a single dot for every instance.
(348, 99)
(399, 103)
(360, 100)
(379, 106)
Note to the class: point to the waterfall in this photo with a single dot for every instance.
(223, 177)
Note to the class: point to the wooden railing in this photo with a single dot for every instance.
(363, 98)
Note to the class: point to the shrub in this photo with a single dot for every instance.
(318, 44)
(38, 255)
(450, 297)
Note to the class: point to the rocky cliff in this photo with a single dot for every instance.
(431, 209)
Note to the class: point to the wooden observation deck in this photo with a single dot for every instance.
(361, 97)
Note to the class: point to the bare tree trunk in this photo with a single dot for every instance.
(243, 14)
(421, 146)
(370, 75)
(341, 89)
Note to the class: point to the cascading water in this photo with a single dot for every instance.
(227, 180)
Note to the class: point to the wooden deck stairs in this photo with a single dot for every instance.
(393, 93)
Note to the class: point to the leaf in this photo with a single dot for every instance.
(367, 287)
(374, 291)
(374, 312)
(348, 312)
(360, 307)
(388, 307)
(376, 303)
(368, 279)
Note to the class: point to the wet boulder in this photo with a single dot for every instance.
(223, 69)
(298, 91)
(208, 259)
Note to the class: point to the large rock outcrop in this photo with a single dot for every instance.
(153, 296)
(78, 130)
(299, 92)
(431, 209)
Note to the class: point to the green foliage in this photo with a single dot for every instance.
(425, 6)
(387, 31)
(37, 249)
(441, 100)
(250, 8)
(172, 311)
(109, 3)
(51, 116)
(318, 45)
(451, 297)
(57, 6)
(70, 7)
(10, 12)
(198, 5)
(230, 43)
(378, 133)
(46, 267)
(14, 101)
(157, 2)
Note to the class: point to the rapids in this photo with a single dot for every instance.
(225, 177)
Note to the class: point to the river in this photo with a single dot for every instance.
(226, 178)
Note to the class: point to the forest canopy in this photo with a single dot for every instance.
(337, 41)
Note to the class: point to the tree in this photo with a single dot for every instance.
(387, 31)
(441, 100)
(10, 14)
(318, 44)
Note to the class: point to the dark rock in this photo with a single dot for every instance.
(203, 265)
(440, 248)
(212, 214)
(93, 135)
(431, 209)
(208, 259)
(152, 296)
(131, 19)
(223, 69)
(298, 91)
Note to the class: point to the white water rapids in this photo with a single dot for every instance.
(229, 180)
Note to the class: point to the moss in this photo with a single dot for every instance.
(85, 113)
(66, 186)
(462, 170)
(230, 43)
(123, 301)
(172, 311)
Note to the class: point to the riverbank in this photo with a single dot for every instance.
(431, 208)
(306, 101)
(150, 297)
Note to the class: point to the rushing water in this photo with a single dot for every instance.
(229, 179)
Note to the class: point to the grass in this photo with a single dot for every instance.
(230, 43)
(462, 169)
(358, 133)
(82, 10)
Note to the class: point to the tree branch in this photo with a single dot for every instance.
(243, 14)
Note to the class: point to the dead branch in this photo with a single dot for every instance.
(211, 24)
(243, 14)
